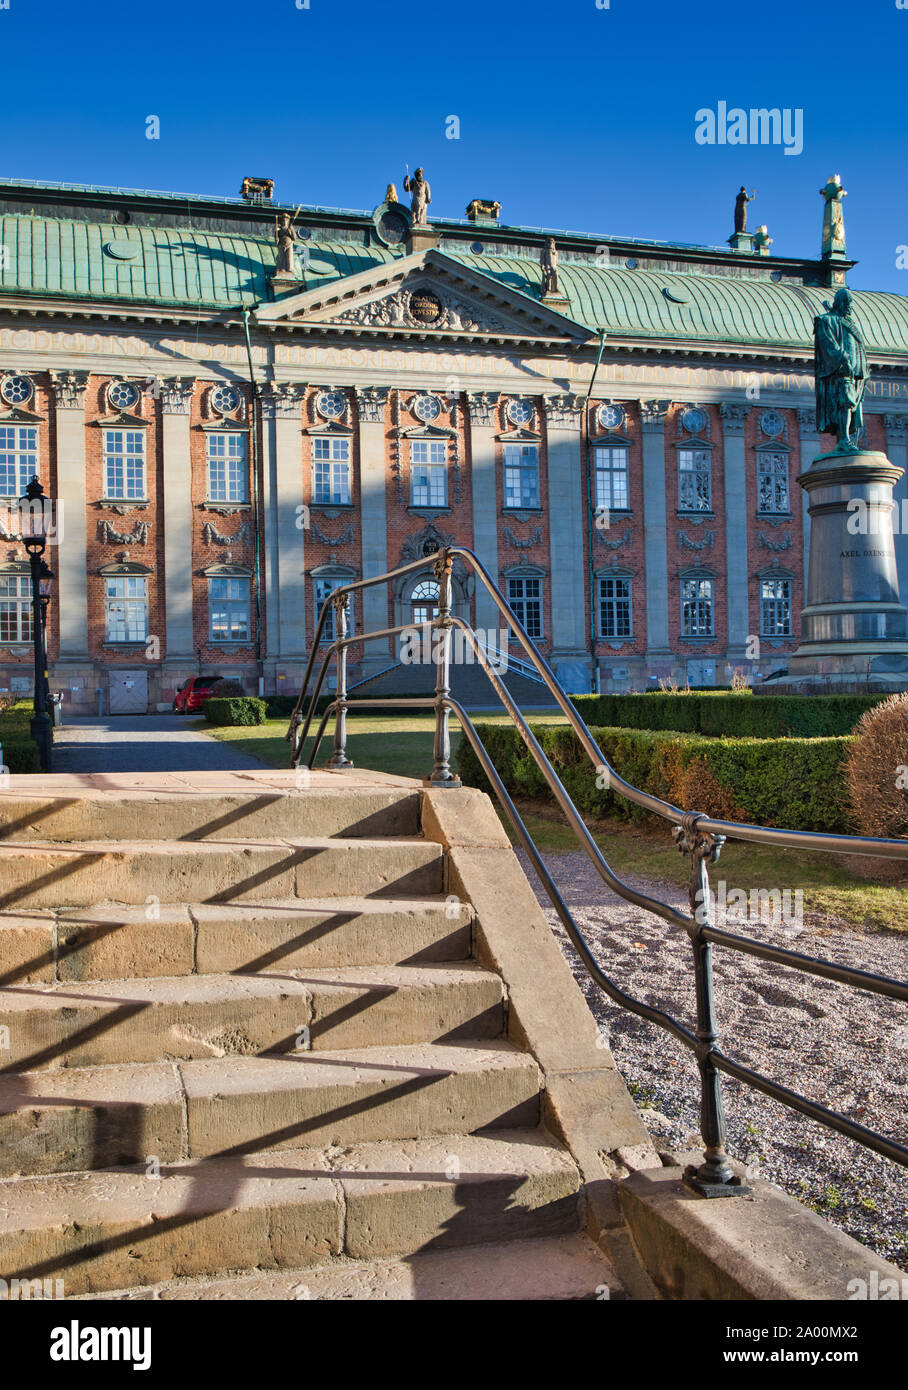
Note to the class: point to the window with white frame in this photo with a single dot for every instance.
(331, 471)
(694, 481)
(525, 602)
(521, 475)
(126, 608)
(696, 608)
(772, 481)
(775, 607)
(611, 478)
(428, 473)
(615, 606)
(228, 474)
(16, 608)
(228, 608)
(124, 463)
(18, 458)
(323, 588)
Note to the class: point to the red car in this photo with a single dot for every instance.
(193, 694)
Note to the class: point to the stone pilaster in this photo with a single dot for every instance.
(652, 423)
(176, 403)
(371, 404)
(811, 446)
(283, 567)
(570, 650)
(71, 560)
(734, 424)
(482, 407)
(896, 426)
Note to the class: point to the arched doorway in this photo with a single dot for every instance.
(424, 601)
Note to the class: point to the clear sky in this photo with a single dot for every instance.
(570, 115)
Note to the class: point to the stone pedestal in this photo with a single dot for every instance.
(853, 627)
(421, 238)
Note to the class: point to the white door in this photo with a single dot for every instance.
(129, 692)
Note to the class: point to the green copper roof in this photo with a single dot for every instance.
(218, 272)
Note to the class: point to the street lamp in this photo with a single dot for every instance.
(36, 515)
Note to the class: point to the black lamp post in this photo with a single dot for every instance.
(36, 514)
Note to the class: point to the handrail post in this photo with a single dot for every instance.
(442, 629)
(715, 1177)
(339, 759)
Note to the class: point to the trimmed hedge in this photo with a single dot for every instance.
(737, 715)
(20, 752)
(795, 783)
(237, 709)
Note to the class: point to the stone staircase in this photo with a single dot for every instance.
(469, 685)
(259, 1042)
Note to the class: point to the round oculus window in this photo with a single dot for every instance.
(123, 395)
(611, 417)
(16, 390)
(694, 421)
(427, 408)
(520, 412)
(225, 399)
(771, 423)
(331, 404)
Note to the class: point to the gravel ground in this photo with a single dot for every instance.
(845, 1048)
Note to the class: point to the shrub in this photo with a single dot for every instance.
(876, 769)
(226, 689)
(20, 754)
(795, 783)
(731, 714)
(240, 709)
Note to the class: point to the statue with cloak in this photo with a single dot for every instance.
(840, 368)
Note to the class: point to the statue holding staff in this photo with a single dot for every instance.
(422, 195)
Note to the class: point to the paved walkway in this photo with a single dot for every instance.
(143, 743)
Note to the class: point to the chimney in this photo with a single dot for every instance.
(482, 212)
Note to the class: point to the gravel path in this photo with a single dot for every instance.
(143, 743)
(845, 1048)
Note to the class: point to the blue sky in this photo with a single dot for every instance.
(570, 115)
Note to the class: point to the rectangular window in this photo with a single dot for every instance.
(614, 607)
(525, 602)
(696, 608)
(16, 608)
(521, 475)
(228, 475)
(331, 471)
(124, 463)
(775, 608)
(772, 481)
(228, 609)
(694, 483)
(611, 479)
(126, 609)
(428, 473)
(323, 589)
(18, 458)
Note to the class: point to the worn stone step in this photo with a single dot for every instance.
(285, 1210)
(140, 814)
(113, 941)
(108, 1021)
(45, 874)
(551, 1268)
(106, 1117)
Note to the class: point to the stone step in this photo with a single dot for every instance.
(45, 874)
(551, 1268)
(286, 1210)
(113, 941)
(104, 1022)
(155, 814)
(107, 1117)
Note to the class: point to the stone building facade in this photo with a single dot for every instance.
(229, 441)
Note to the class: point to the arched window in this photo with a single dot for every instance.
(424, 601)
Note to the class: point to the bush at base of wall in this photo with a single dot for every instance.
(19, 750)
(240, 709)
(729, 715)
(794, 783)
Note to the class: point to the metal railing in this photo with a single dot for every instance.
(699, 836)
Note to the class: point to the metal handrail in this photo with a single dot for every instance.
(697, 835)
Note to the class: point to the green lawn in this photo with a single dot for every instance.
(403, 745)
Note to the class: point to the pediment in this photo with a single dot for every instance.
(428, 294)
